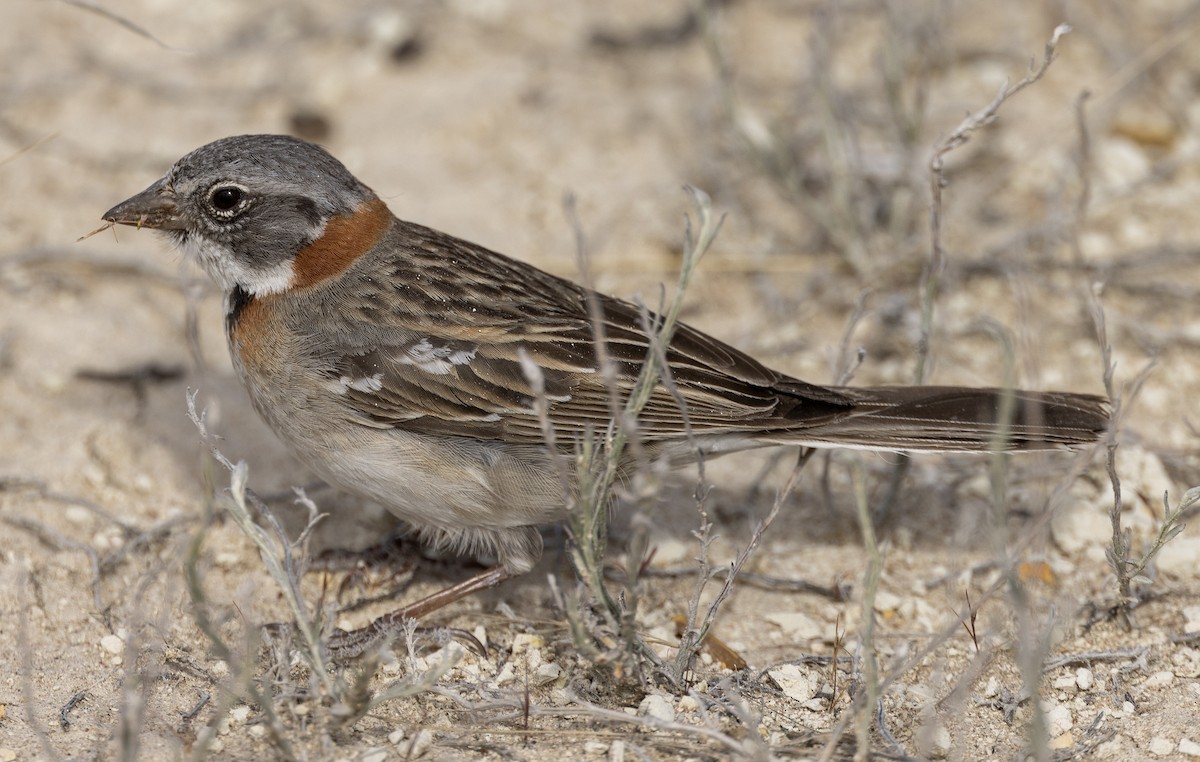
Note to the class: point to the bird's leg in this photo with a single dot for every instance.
(344, 646)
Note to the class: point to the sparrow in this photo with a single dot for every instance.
(389, 357)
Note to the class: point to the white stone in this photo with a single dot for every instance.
(421, 742)
(794, 682)
(525, 641)
(886, 601)
(377, 754)
(1064, 682)
(1084, 679)
(1189, 747)
(1058, 720)
(546, 673)
(1178, 559)
(112, 644)
(992, 689)
(1080, 524)
(1160, 679)
(657, 707)
(940, 742)
(795, 624)
(1161, 747)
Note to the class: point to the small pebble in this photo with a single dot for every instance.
(1065, 741)
(1160, 679)
(1161, 747)
(526, 641)
(1059, 720)
(940, 742)
(795, 624)
(657, 707)
(1084, 679)
(794, 682)
(7, 755)
(547, 673)
(992, 689)
(112, 644)
(595, 747)
(421, 742)
(1189, 747)
(885, 601)
(378, 754)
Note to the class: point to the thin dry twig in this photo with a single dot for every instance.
(121, 21)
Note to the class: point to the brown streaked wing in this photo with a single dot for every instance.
(453, 294)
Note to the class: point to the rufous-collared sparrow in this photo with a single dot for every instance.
(388, 356)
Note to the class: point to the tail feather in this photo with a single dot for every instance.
(957, 419)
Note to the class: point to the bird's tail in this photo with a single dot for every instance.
(957, 419)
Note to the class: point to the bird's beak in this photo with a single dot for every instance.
(152, 208)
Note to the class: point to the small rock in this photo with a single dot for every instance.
(940, 742)
(1161, 747)
(396, 736)
(1084, 679)
(526, 641)
(77, 514)
(794, 682)
(1058, 720)
(547, 673)
(300, 709)
(795, 624)
(1111, 749)
(1178, 559)
(1186, 662)
(239, 713)
(1065, 741)
(377, 754)
(687, 705)
(1189, 747)
(657, 707)
(595, 747)
(885, 601)
(1064, 682)
(507, 673)
(7, 755)
(1160, 679)
(992, 689)
(671, 551)
(1080, 524)
(616, 752)
(421, 742)
(1146, 122)
(112, 644)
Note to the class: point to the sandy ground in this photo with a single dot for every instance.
(811, 125)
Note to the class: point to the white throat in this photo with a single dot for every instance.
(223, 267)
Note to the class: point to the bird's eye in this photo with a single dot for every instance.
(226, 198)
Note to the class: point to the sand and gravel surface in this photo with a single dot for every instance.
(131, 605)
